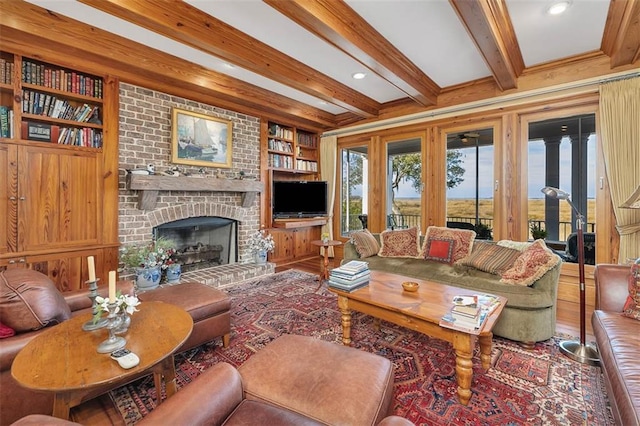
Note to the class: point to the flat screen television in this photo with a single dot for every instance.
(304, 198)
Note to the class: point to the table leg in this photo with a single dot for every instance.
(343, 305)
(462, 346)
(61, 405)
(170, 384)
(485, 350)
(325, 271)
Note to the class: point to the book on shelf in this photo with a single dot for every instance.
(6, 121)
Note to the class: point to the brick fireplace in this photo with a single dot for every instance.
(145, 138)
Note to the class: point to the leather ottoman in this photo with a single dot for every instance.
(208, 307)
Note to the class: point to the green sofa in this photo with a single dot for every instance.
(530, 313)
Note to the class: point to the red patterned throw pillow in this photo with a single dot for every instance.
(366, 244)
(439, 249)
(400, 243)
(631, 307)
(462, 241)
(532, 264)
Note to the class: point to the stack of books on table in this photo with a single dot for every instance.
(469, 312)
(350, 276)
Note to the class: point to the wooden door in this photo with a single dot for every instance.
(59, 198)
(303, 246)
(8, 198)
(283, 252)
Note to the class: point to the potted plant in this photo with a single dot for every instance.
(537, 231)
(259, 244)
(483, 231)
(148, 261)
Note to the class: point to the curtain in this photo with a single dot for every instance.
(620, 125)
(328, 164)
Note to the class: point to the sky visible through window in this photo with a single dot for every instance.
(536, 176)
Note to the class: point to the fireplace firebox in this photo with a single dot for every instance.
(202, 242)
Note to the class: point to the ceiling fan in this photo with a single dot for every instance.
(468, 137)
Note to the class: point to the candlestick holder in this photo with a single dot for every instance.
(93, 293)
(113, 343)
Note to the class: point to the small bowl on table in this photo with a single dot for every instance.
(410, 286)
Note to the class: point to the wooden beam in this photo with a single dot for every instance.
(338, 24)
(489, 25)
(621, 38)
(31, 30)
(186, 24)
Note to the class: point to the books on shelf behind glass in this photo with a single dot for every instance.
(469, 312)
(350, 276)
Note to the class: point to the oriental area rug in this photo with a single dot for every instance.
(523, 387)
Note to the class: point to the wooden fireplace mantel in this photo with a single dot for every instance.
(150, 185)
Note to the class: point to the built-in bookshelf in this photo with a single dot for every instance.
(292, 149)
(49, 103)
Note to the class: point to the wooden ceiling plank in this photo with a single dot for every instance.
(621, 38)
(338, 24)
(23, 24)
(189, 25)
(489, 25)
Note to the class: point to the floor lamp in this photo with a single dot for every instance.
(576, 350)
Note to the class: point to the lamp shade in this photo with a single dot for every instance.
(556, 193)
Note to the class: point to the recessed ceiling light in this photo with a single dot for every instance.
(558, 7)
(229, 66)
(358, 75)
(322, 103)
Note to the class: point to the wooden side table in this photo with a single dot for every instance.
(324, 274)
(64, 359)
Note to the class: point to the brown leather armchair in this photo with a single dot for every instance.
(618, 340)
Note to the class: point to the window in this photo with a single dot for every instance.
(404, 183)
(354, 189)
(562, 154)
(470, 181)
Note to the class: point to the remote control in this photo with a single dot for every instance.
(125, 358)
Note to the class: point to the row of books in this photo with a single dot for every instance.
(60, 79)
(308, 140)
(280, 132)
(350, 276)
(279, 145)
(6, 71)
(280, 161)
(49, 105)
(310, 166)
(6, 122)
(469, 312)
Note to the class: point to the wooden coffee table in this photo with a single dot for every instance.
(63, 359)
(421, 311)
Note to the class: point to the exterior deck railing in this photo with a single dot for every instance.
(409, 220)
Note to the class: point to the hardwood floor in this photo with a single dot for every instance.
(100, 411)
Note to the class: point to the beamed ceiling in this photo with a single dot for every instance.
(294, 59)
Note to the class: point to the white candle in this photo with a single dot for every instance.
(92, 268)
(112, 286)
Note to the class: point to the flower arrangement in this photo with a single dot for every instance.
(157, 253)
(123, 302)
(259, 241)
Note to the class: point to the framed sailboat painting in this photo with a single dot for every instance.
(200, 140)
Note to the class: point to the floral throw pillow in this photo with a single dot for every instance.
(366, 244)
(462, 241)
(631, 307)
(532, 264)
(400, 243)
